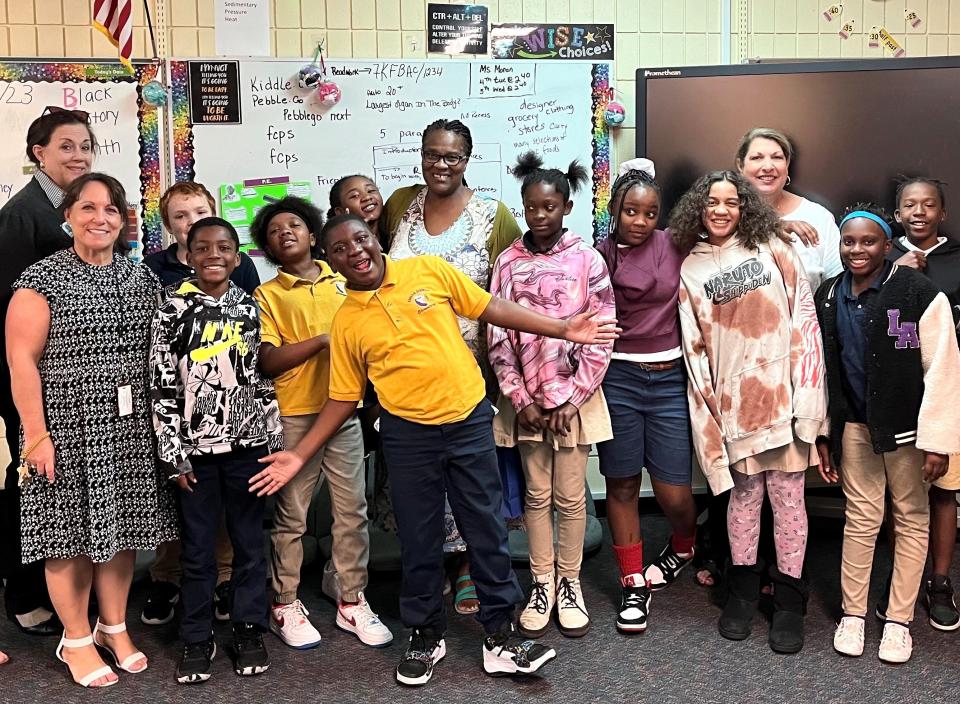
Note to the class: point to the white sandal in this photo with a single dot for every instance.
(88, 678)
(127, 661)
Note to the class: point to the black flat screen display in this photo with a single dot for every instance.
(855, 125)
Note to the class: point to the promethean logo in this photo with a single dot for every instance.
(665, 72)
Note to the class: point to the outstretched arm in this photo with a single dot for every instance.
(283, 466)
(584, 328)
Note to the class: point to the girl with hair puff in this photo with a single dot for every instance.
(551, 404)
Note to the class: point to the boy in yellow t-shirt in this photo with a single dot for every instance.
(398, 328)
(296, 312)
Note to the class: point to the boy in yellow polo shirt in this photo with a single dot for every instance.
(296, 312)
(398, 327)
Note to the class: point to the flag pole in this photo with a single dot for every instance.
(153, 39)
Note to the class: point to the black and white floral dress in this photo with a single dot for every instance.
(109, 494)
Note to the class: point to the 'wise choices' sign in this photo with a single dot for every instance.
(552, 41)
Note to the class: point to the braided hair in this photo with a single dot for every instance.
(529, 169)
(618, 193)
(455, 126)
(904, 181)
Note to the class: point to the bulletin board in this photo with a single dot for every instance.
(127, 130)
(280, 133)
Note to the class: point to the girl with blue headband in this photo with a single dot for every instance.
(893, 374)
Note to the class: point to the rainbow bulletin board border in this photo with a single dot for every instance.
(600, 92)
(150, 168)
(183, 162)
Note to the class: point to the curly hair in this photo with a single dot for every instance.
(758, 221)
(303, 209)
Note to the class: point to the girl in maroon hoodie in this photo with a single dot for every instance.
(646, 392)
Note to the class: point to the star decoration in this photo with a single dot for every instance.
(602, 34)
(589, 38)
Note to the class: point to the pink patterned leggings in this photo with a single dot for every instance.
(789, 518)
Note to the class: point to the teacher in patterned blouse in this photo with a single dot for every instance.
(446, 218)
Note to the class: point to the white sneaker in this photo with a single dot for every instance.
(535, 617)
(848, 638)
(290, 624)
(571, 611)
(360, 620)
(896, 646)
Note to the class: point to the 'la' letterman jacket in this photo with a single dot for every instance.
(913, 366)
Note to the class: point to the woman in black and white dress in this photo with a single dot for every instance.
(77, 334)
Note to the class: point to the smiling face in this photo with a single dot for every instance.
(289, 239)
(920, 211)
(639, 213)
(543, 210)
(360, 196)
(214, 256)
(355, 253)
(68, 155)
(863, 247)
(721, 214)
(94, 219)
(182, 211)
(442, 178)
(765, 165)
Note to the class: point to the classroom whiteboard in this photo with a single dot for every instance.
(126, 130)
(284, 134)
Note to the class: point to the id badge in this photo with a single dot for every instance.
(125, 400)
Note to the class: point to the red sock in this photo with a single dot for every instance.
(683, 545)
(630, 559)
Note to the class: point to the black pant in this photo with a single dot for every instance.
(222, 485)
(26, 587)
(424, 461)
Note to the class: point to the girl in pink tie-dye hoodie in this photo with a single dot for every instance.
(551, 403)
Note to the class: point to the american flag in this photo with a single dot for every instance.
(115, 19)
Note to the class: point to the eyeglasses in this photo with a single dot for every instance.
(448, 159)
(81, 115)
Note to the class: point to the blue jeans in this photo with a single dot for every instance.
(650, 417)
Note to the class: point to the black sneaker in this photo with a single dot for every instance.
(426, 649)
(222, 601)
(666, 568)
(162, 598)
(194, 664)
(941, 604)
(634, 608)
(249, 654)
(507, 653)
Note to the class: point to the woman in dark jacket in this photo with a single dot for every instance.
(60, 144)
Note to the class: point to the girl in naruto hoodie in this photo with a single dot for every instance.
(753, 351)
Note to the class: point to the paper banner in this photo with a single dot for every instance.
(912, 18)
(890, 43)
(832, 11)
(874, 40)
(847, 29)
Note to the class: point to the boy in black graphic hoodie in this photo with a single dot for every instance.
(215, 416)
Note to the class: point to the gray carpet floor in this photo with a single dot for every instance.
(681, 657)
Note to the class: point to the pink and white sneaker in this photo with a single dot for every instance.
(290, 624)
(360, 620)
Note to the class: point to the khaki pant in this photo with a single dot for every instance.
(555, 477)
(166, 565)
(865, 475)
(341, 462)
